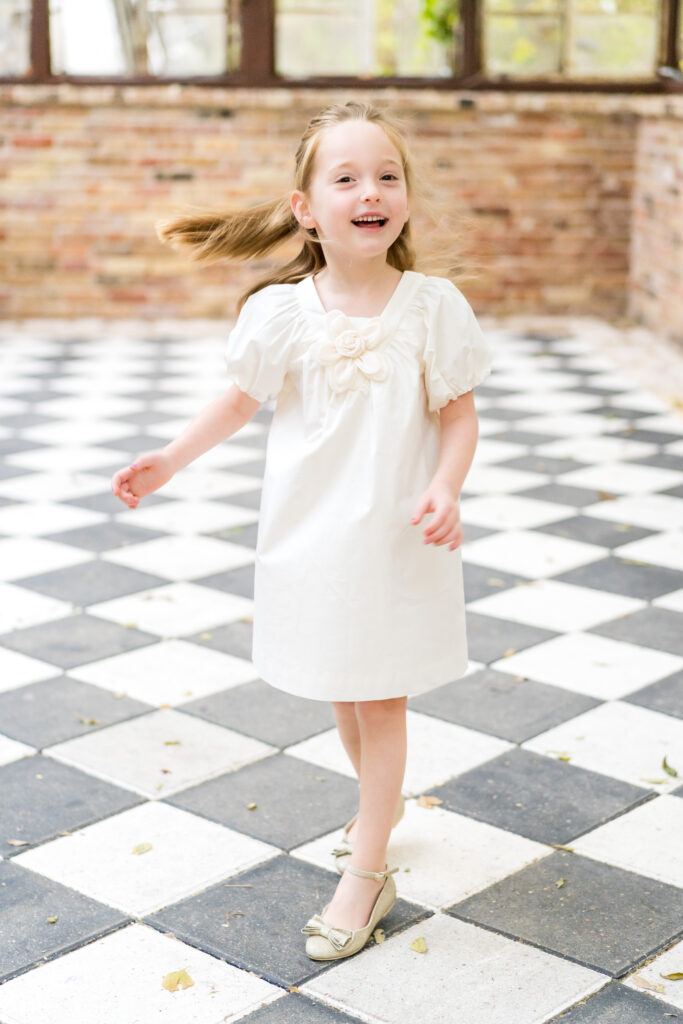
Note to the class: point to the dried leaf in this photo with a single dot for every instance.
(510, 650)
(606, 496)
(378, 935)
(668, 769)
(562, 755)
(18, 842)
(88, 721)
(52, 920)
(653, 782)
(495, 581)
(560, 882)
(246, 618)
(177, 979)
(561, 846)
(428, 801)
(419, 945)
(206, 636)
(676, 976)
(129, 625)
(252, 807)
(142, 848)
(171, 743)
(623, 527)
(642, 983)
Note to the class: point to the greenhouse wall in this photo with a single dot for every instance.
(554, 203)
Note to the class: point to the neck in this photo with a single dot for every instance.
(357, 276)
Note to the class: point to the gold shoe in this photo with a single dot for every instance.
(344, 850)
(326, 942)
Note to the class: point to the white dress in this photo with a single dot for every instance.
(349, 602)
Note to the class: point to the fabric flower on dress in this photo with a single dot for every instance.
(349, 351)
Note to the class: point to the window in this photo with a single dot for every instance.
(443, 44)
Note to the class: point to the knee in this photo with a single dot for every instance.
(380, 710)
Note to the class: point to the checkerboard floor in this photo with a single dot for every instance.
(163, 809)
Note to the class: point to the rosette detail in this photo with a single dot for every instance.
(350, 352)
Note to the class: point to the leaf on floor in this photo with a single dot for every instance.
(252, 807)
(378, 935)
(142, 848)
(642, 983)
(676, 976)
(88, 721)
(18, 842)
(560, 882)
(510, 650)
(495, 581)
(606, 496)
(52, 920)
(668, 769)
(171, 743)
(176, 980)
(428, 801)
(419, 945)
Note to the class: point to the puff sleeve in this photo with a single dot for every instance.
(259, 347)
(456, 354)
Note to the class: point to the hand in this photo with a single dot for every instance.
(149, 472)
(445, 527)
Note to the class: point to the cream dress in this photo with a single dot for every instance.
(349, 603)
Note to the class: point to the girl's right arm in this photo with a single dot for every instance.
(217, 421)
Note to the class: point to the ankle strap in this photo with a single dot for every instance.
(377, 875)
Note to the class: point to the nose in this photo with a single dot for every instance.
(370, 192)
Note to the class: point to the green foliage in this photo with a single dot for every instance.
(439, 19)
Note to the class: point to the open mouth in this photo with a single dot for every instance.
(371, 223)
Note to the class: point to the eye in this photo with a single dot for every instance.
(344, 178)
(395, 178)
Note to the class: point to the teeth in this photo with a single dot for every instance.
(367, 220)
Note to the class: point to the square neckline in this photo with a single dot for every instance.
(315, 300)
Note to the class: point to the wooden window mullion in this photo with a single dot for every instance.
(40, 41)
(257, 64)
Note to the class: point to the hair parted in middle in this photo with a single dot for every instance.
(257, 230)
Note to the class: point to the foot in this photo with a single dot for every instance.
(354, 898)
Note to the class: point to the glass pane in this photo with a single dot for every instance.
(524, 6)
(165, 38)
(522, 45)
(365, 37)
(614, 45)
(15, 37)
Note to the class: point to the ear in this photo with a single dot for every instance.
(300, 209)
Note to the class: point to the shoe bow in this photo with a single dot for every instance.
(337, 937)
(339, 850)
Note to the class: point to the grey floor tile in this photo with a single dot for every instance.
(12, 445)
(499, 412)
(666, 695)
(618, 1004)
(474, 532)
(28, 938)
(137, 443)
(543, 464)
(563, 494)
(490, 638)
(106, 536)
(246, 535)
(664, 460)
(265, 908)
(90, 582)
(602, 917)
(247, 499)
(481, 580)
(602, 532)
(622, 576)
(18, 420)
(233, 638)
(54, 710)
(43, 798)
(512, 791)
(107, 501)
(295, 1008)
(649, 436)
(531, 438)
(259, 710)
(278, 785)
(650, 627)
(234, 581)
(75, 640)
(502, 705)
(622, 412)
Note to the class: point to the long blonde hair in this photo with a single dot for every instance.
(259, 229)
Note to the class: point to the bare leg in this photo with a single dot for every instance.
(382, 728)
(347, 724)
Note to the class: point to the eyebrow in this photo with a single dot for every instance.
(349, 163)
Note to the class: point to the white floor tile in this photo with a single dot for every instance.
(437, 751)
(443, 857)
(72, 432)
(99, 860)
(169, 672)
(42, 517)
(596, 449)
(511, 511)
(578, 424)
(143, 754)
(594, 665)
(551, 604)
(18, 669)
(21, 608)
(488, 451)
(647, 839)
(27, 556)
(51, 487)
(653, 511)
(531, 554)
(178, 609)
(480, 978)
(13, 750)
(90, 407)
(208, 483)
(118, 980)
(623, 478)
(673, 601)
(499, 479)
(549, 401)
(66, 458)
(182, 558)
(188, 517)
(618, 739)
(668, 989)
(660, 549)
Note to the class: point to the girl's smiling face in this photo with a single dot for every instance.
(357, 199)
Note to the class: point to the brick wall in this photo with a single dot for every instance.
(565, 203)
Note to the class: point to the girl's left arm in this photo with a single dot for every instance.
(458, 441)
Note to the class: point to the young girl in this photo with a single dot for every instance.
(373, 365)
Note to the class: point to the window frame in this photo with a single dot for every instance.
(257, 64)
